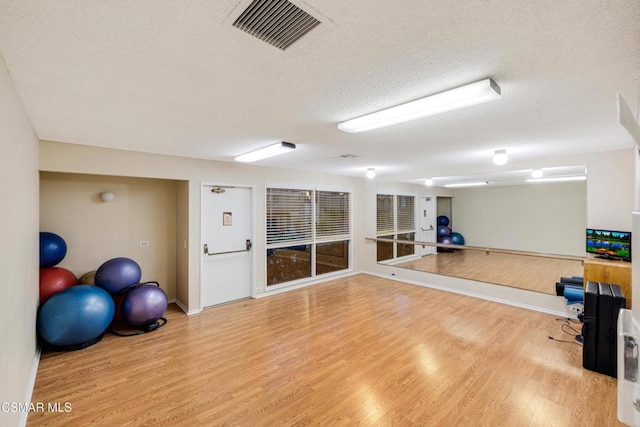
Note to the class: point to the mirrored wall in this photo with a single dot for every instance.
(541, 218)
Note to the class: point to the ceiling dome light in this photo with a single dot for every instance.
(371, 173)
(537, 173)
(428, 182)
(500, 157)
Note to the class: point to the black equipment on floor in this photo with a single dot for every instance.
(602, 304)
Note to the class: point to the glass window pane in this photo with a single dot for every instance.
(384, 249)
(287, 264)
(384, 219)
(404, 250)
(406, 213)
(332, 256)
(288, 215)
(332, 214)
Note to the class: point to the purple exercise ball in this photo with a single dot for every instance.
(144, 305)
(118, 274)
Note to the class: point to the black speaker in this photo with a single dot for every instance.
(605, 309)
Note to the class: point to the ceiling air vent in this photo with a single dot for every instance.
(277, 22)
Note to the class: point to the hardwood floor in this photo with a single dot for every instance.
(362, 350)
(518, 271)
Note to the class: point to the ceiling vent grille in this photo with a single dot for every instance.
(277, 22)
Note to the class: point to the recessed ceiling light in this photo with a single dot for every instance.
(537, 173)
(428, 182)
(500, 157)
(263, 153)
(463, 96)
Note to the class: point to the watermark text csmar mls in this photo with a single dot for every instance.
(35, 407)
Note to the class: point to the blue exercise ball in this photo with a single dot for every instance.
(117, 274)
(76, 315)
(443, 231)
(443, 220)
(144, 305)
(457, 238)
(53, 249)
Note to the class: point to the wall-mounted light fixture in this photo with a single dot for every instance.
(500, 157)
(428, 182)
(263, 153)
(460, 97)
(107, 196)
(371, 173)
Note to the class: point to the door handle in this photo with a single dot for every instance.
(247, 243)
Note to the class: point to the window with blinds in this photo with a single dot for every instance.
(395, 219)
(405, 221)
(333, 215)
(288, 215)
(384, 216)
(308, 233)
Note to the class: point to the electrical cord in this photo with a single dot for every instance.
(570, 342)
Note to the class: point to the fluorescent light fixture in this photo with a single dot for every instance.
(463, 96)
(263, 153)
(559, 179)
(467, 184)
(537, 173)
(428, 182)
(500, 157)
(371, 173)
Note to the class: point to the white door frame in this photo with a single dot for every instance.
(255, 247)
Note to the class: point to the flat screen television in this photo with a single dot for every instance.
(609, 244)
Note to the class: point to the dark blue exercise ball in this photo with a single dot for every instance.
(457, 238)
(443, 231)
(52, 249)
(443, 220)
(75, 315)
(144, 305)
(117, 274)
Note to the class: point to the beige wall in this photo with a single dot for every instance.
(539, 218)
(19, 260)
(74, 158)
(95, 231)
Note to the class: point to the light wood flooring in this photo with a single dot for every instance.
(518, 271)
(357, 351)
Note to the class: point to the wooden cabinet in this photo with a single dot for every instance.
(612, 272)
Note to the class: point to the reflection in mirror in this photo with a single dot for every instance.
(546, 218)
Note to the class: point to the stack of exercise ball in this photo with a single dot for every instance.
(71, 315)
(75, 314)
(446, 236)
(138, 304)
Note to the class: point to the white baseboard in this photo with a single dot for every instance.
(31, 385)
(480, 296)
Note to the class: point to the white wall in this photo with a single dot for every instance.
(61, 157)
(19, 260)
(143, 210)
(547, 218)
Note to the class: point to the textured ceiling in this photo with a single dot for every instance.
(176, 77)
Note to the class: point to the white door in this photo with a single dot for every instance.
(226, 244)
(427, 220)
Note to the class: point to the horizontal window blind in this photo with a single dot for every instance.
(288, 215)
(333, 214)
(384, 216)
(405, 214)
